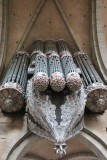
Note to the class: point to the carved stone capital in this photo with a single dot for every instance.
(11, 97)
(97, 97)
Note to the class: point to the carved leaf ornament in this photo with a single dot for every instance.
(43, 118)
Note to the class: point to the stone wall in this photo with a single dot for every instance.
(15, 139)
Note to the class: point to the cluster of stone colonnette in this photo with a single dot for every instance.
(53, 67)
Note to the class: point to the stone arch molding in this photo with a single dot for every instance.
(98, 45)
(22, 146)
(34, 18)
(3, 32)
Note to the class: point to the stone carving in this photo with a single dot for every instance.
(42, 116)
(57, 79)
(11, 97)
(56, 97)
(12, 90)
(40, 78)
(93, 84)
(41, 81)
(73, 79)
(97, 97)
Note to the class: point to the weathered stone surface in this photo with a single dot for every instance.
(49, 25)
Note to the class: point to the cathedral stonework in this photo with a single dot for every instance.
(53, 84)
(53, 72)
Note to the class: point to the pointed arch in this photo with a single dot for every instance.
(22, 146)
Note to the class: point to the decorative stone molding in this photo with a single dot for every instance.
(99, 46)
(74, 81)
(11, 97)
(41, 81)
(3, 32)
(24, 142)
(42, 117)
(57, 81)
(97, 97)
